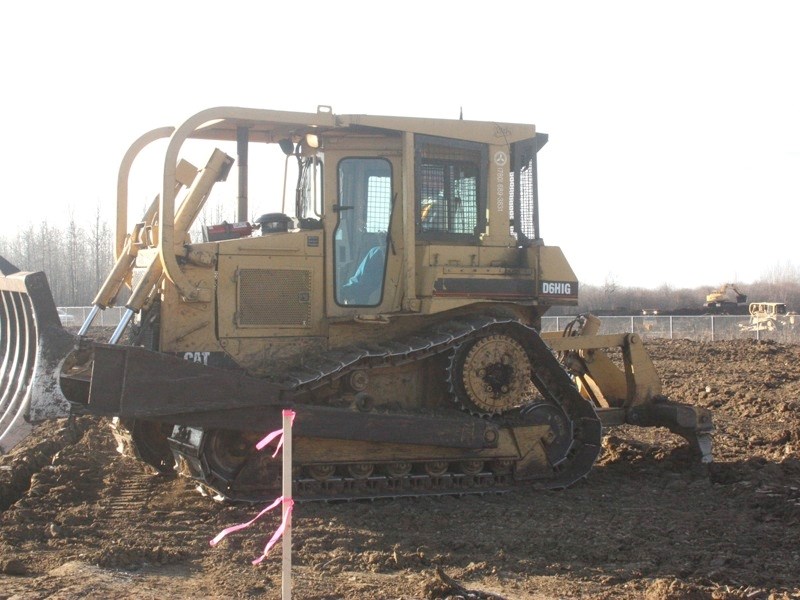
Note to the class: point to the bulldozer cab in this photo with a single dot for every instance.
(391, 216)
(382, 217)
(767, 309)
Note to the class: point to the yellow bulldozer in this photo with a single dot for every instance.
(395, 306)
(770, 316)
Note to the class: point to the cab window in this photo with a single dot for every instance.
(361, 236)
(449, 195)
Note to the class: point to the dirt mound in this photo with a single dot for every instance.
(78, 520)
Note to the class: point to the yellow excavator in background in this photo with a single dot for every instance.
(720, 302)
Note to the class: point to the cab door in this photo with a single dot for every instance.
(363, 256)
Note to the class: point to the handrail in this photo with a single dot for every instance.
(122, 182)
(166, 230)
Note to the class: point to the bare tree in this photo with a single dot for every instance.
(74, 259)
(781, 283)
(65, 255)
(101, 249)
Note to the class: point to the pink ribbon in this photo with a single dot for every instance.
(276, 433)
(233, 528)
(288, 503)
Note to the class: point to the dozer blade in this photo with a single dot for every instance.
(134, 383)
(33, 344)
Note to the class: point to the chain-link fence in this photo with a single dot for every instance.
(74, 316)
(703, 328)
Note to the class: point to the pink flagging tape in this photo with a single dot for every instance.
(287, 515)
(277, 433)
(287, 502)
(233, 528)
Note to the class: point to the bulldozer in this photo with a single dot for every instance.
(770, 316)
(395, 305)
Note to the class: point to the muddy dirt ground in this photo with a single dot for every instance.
(80, 521)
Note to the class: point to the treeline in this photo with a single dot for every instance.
(779, 284)
(78, 256)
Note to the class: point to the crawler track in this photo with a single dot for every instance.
(569, 455)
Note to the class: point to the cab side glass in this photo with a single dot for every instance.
(361, 236)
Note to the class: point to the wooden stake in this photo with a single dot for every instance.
(286, 577)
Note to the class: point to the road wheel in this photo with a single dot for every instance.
(360, 470)
(397, 469)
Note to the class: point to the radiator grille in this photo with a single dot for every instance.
(274, 298)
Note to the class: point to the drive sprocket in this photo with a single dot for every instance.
(490, 375)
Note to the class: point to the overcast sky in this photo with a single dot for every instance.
(674, 153)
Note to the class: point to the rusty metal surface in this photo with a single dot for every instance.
(130, 381)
